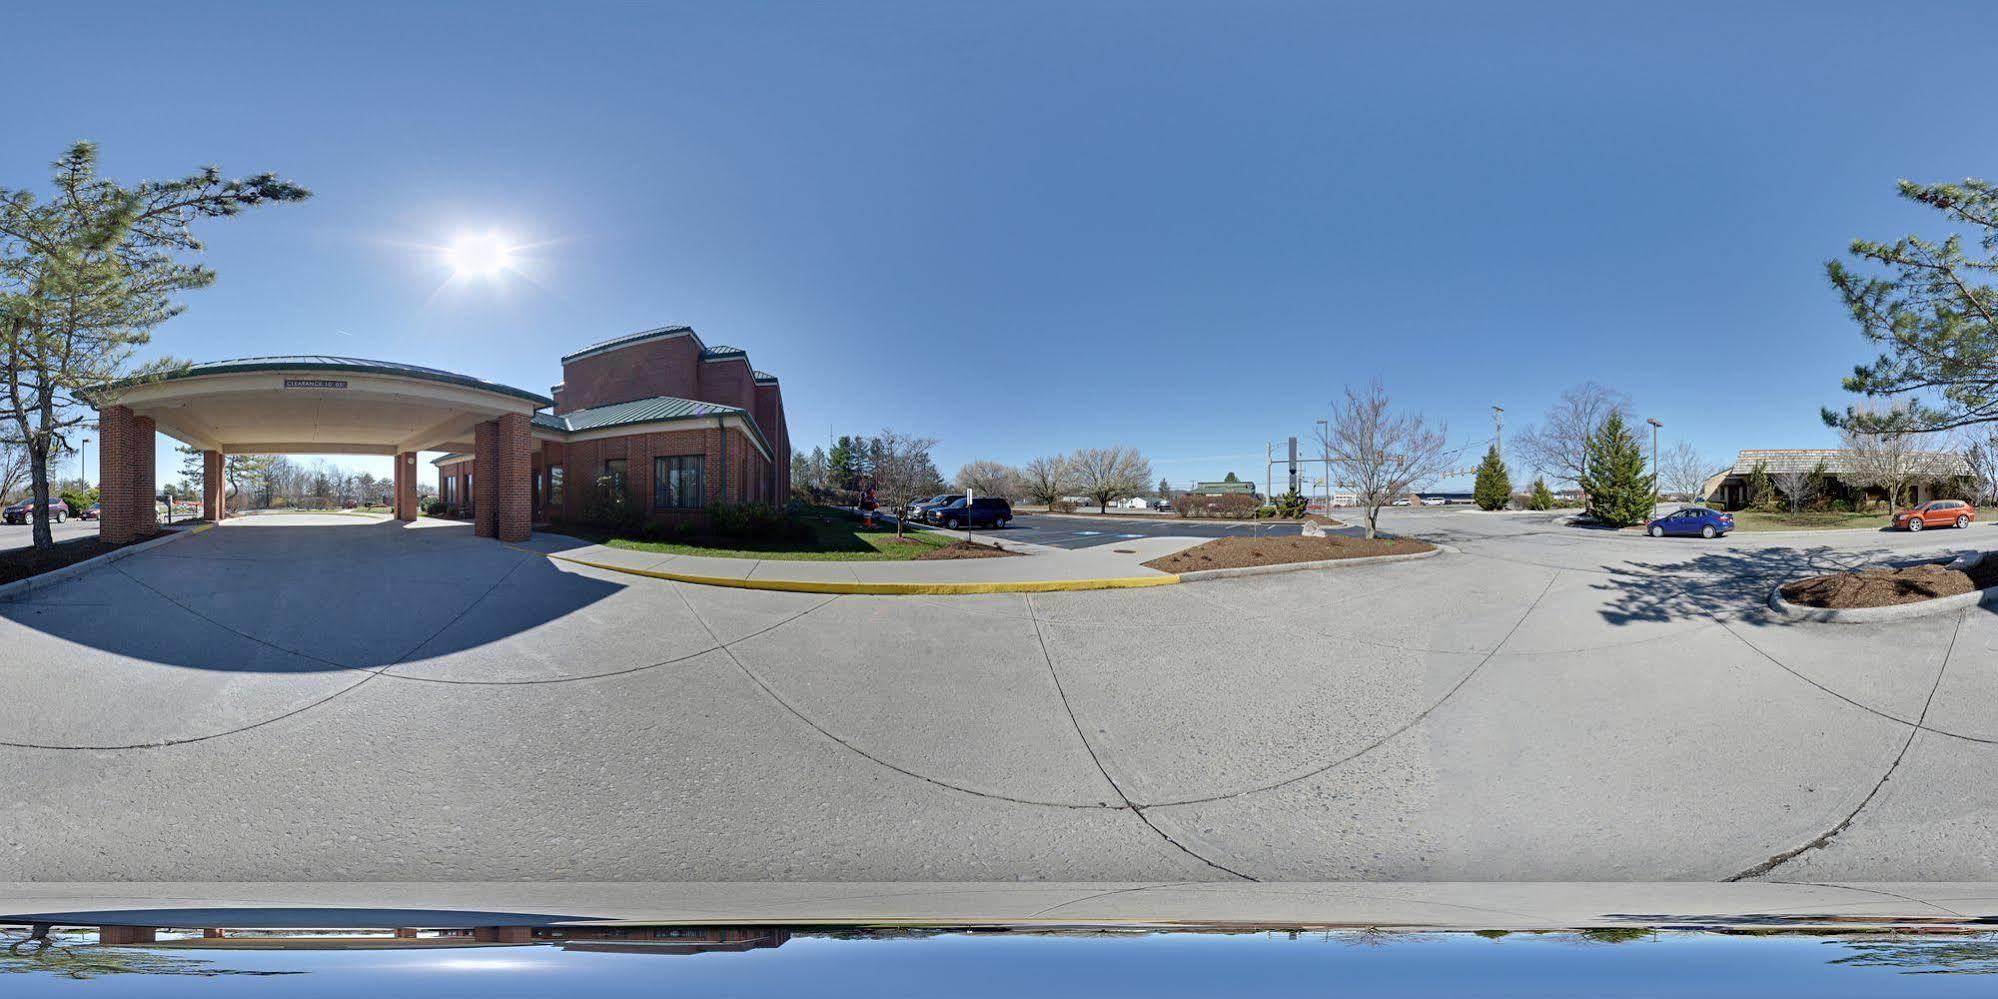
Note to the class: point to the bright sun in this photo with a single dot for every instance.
(480, 256)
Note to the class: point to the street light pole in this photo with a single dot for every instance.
(1498, 429)
(1325, 461)
(1654, 463)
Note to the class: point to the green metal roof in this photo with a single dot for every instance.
(353, 365)
(1219, 488)
(763, 376)
(658, 409)
(724, 350)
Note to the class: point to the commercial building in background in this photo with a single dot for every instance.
(677, 424)
(1931, 475)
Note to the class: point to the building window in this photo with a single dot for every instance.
(555, 487)
(614, 471)
(676, 481)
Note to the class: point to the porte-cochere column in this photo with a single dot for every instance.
(405, 486)
(513, 470)
(125, 474)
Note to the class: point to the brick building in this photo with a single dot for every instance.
(678, 423)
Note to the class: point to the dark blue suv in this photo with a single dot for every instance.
(985, 511)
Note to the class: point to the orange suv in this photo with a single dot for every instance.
(1936, 513)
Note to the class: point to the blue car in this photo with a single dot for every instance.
(1691, 520)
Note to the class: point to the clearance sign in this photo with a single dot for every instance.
(320, 383)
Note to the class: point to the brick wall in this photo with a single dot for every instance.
(727, 382)
(671, 366)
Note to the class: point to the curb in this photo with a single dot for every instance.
(1895, 612)
(1262, 570)
(47, 579)
(878, 589)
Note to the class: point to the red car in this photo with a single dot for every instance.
(1936, 513)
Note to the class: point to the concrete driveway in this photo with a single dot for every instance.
(331, 698)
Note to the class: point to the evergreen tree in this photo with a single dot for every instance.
(85, 277)
(1620, 492)
(1493, 489)
(1542, 498)
(1761, 492)
(1231, 478)
(843, 464)
(1818, 485)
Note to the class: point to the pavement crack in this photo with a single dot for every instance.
(771, 692)
(1825, 838)
(1390, 736)
(1069, 709)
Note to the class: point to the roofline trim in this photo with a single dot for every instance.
(634, 339)
(361, 366)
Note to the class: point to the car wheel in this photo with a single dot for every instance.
(1005, 523)
(1962, 522)
(1707, 532)
(1657, 532)
(951, 523)
(1914, 523)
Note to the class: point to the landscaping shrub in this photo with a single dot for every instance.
(1542, 497)
(435, 509)
(1266, 512)
(1290, 505)
(756, 521)
(610, 508)
(684, 530)
(1062, 506)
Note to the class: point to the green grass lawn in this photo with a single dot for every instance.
(836, 537)
(1825, 520)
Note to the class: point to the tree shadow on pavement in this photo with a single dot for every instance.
(1731, 582)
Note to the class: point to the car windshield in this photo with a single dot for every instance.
(462, 512)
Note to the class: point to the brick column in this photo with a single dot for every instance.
(114, 461)
(405, 485)
(485, 459)
(503, 934)
(513, 463)
(147, 517)
(213, 494)
(127, 934)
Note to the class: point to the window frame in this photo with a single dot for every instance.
(663, 476)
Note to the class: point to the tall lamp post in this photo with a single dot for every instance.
(1498, 429)
(82, 458)
(1325, 453)
(1654, 463)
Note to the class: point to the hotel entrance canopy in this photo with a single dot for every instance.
(315, 405)
(321, 405)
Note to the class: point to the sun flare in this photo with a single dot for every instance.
(480, 256)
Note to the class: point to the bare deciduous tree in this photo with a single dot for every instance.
(1795, 487)
(1880, 459)
(1108, 474)
(988, 478)
(1981, 453)
(1380, 453)
(1559, 445)
(1046, 479)
(1683, 470)
(901, 469)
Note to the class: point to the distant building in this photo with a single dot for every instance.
(1937, 474)
(1223, 488)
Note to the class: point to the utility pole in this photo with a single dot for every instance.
(1654, 464)
(1498, 429)
(1325, 453)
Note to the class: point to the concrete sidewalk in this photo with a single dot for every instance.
(1100, 568)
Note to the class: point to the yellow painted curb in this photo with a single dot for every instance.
(877, 589)
(198, 530)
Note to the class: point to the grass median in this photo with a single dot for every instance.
(1751, 521)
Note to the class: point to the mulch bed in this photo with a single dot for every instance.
(963, 549)
(20, 563)
(1888, 587)
(1236, 553)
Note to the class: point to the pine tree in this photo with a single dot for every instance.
(1493, 489)
(1542, 498)
(1761, 492)
(1818, 485)
(1620, 492)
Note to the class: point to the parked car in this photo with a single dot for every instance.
(91, 512)
(986, 511)
(1691, 520)
(1936, 513)
(920, 510)
(20, 512)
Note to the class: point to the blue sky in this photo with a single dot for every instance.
(1025, 228)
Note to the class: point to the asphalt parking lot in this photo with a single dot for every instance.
(1087, 532)
(296, 697)
(22, 535)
